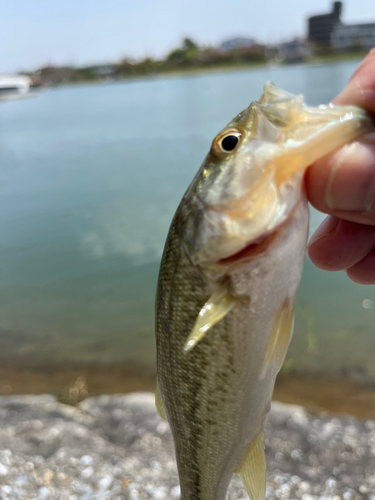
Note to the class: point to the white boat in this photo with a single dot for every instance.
(14, 87)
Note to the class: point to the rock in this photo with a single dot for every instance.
(117, 448)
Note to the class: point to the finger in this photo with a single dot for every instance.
(343, 183)
(360, 90)
(339, 244)
(364, 271)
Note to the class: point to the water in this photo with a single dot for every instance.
(90, 178)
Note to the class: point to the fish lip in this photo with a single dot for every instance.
(251, 250)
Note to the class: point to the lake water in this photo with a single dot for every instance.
(89, 180)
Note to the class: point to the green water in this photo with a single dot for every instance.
(89, 180)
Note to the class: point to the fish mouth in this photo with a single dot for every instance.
(251, 250)
(258, 246)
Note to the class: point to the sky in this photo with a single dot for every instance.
(34, 33)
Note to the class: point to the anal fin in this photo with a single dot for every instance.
(159, 403)
(253, 470)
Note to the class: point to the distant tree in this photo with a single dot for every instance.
(188, 44)
(187, 55)
(126, 67)
(147, 67)
(177, 56)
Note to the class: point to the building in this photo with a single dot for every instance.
(320, 27)
(237, 43)
(353, 37)
(327, 30)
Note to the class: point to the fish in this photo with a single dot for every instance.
(227, 285)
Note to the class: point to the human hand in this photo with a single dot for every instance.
(343, 185)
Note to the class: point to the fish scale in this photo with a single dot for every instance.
(227, 285)
(188, 378)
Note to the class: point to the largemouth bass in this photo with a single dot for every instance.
(227, 285)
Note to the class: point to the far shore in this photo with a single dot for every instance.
(336, 395)
(178, 73)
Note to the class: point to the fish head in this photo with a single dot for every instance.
(251, 179)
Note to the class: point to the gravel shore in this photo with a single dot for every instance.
(117, 448)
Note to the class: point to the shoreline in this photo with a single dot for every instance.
(336, 395)
(203, 70)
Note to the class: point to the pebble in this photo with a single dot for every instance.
(88, 472)
(117, 448)
(44, 492)
(3, 470)
(86, 460)
(106, 482)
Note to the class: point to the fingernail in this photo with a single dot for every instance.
(327, 227)
(351, 185)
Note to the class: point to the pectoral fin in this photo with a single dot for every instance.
(280, 338)
(159, 403)
(218, 306)
(253, 470)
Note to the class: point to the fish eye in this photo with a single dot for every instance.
(226, 142)
(229, 142)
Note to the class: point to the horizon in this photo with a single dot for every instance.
(89, 34)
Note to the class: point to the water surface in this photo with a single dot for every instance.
(90, 179)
